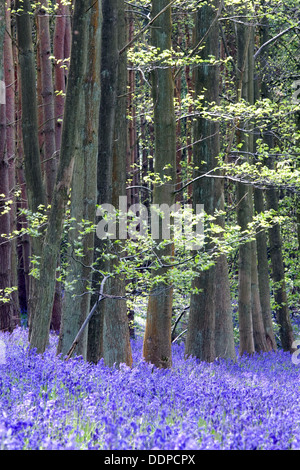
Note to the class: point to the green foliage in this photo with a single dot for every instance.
(268, 166)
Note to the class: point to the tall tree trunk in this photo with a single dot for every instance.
(47, 92)
(259, 336)
(47, 125)
(244, 197)
(252, 333)
(200, 341)
(275, 242)
(61, 50)
(157, 339)
(70, 136)
(280, 295)
(132, 157)
(109, 76)
(108, 335)
(263, 274)
(33, 174)
(76, 304)
(224, 338)
(261, 91)
(116, 338)
(5, 246)
(23, 241)
(9, 75)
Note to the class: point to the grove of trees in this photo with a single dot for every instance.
(118, 121)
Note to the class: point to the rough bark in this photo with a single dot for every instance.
(47, 92)
(274, 233)
(32, 166)
(200, 341)
(224, 338)
(76, 304)
(33, 174)
(157, 339)
(51, 246)
(116, 337)
(61, 51)
(244, 212)
(259, 335)
(9, 73)
(5, 246)
(263, 274)
(280, 295)
(107, 113)
(108, 335)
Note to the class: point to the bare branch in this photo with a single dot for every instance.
(274, 39)
(88, 318)
(143, 30)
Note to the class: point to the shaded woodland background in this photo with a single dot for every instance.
(162, 102)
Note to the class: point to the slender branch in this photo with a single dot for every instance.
(88, 318)
(181, 334)
(196, 48)
(142, 31)
(140, 187)
(274, 39)
(178, 320)
(193, 181)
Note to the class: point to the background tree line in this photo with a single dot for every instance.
(163, 102)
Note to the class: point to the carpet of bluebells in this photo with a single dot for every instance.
(48, 403)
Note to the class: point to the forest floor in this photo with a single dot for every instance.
(48, 403)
